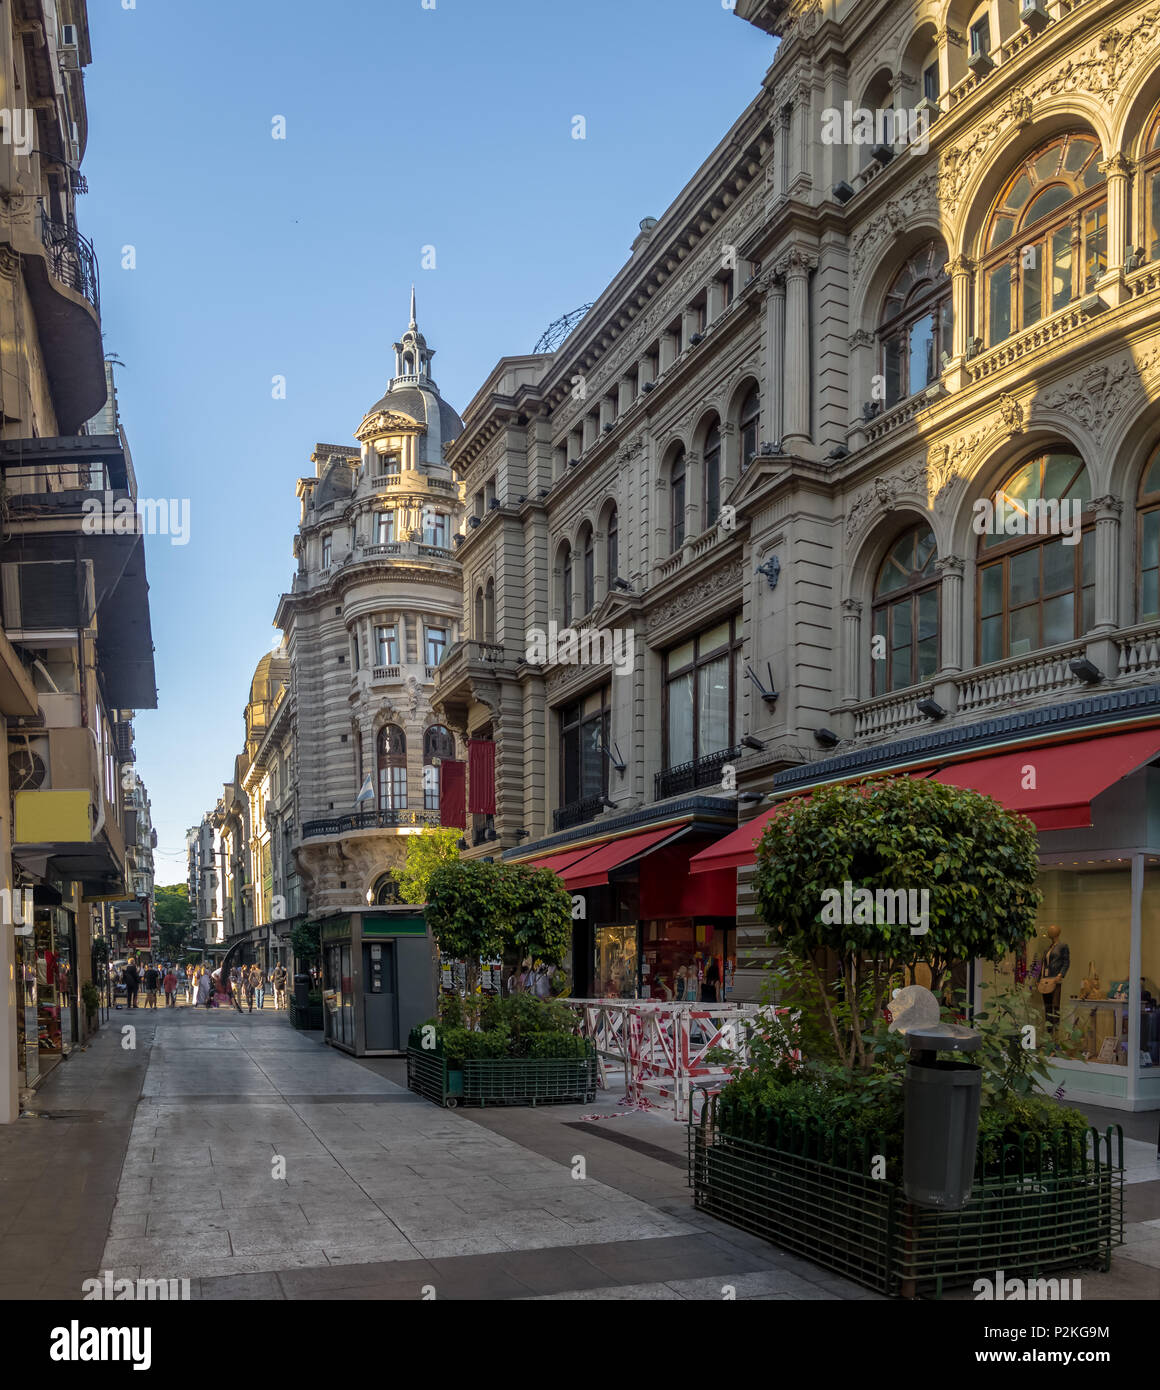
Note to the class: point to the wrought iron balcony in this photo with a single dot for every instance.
(367, 820)
(701, 772)
(576, 812)
(71, 258)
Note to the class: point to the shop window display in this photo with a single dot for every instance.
(616, 962)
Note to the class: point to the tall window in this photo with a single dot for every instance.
(905, 648)
(326, 552)
(980, 33)
(677, 493)
(585, 726)
(392, 750)
(435, 528)
(1047, 237)
(1150, 171)
(613, 547)
(748, 423)
(1149, 532)
(712, 471)
(916, 323)
(588, 598)
(438, 744)
(386, 646)
(1034, 588)
(436, 641)
(489, 610)
(384, 527)
(930, 82)
(701, 686)
(566, 583)
(389, 464)
(478, 627)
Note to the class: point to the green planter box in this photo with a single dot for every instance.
(500, 1080)
(308, 1016)
(811, 1193)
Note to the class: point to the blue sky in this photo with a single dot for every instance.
(405, 127)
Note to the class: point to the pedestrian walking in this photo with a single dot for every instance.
(152, 980)
(279, 982)
(258, 985)
(169, 985)
(132, 979)
(205, 990)
(248, 984)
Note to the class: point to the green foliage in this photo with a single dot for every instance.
(425, 852)
(173, 917)
(517, 1027)
(977, 862)
(476, 909)
(91, 999)
(100, 948)
(306, 942)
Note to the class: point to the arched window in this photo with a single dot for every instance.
(747, 426)
(712, 473)
(392, 759)
(677, 494)
(489, 611)
(905, 648)
(915, 329)
(1150, 175)
(564, 598)
(438, 744)
(385, 890)
(1047, 236)
(478, 626)
(1036, 570)
(1149, 531)
(613, 548)
(588, 597)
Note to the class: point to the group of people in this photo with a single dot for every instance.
(200, 984)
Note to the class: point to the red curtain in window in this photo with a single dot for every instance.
(481, 776)
(452, 795)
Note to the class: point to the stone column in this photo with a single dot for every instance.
(694, 482)
(714, 300)
(863, 365)
(851, 648)
(950, 612)
(796, 268)
(1107, 542)
(774, 361)
(960, 269)
(1117, 170)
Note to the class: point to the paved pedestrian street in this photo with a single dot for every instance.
(257, 1163)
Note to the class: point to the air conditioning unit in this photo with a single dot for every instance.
(980, 63)
(1034, 14)
(47, 596)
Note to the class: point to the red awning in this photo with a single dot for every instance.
(595, 867)
(558, 861)
(1055, 785)
(739, 847)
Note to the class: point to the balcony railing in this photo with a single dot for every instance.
(367, 820)
(386, 673)
(71, 258)
(701, 772)
(576, 812)
(1003, 684)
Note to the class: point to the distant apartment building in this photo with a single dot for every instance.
(204, 883)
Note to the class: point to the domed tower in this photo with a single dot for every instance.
(375, 604)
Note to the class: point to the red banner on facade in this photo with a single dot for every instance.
(481, 776)
(453, 794)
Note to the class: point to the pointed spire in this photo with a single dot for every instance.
(413, 323)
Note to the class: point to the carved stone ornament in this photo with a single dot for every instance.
(918, 201)
(862, 337)
(883, 494)
(1111, 505)
(698, 596)
(1011, 413)
(1097, 397)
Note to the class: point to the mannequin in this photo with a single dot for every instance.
(1055, 967)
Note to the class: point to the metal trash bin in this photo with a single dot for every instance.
(941, 1125)
(302, 991)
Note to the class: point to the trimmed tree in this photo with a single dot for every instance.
(476, 909)
(966, 864)
(173, 917)
(425, 852)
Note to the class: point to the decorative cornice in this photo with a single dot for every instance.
(1100, 396)
(698, 596)
(901, 212)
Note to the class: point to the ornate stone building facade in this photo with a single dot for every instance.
(770, 450)
(373, 608)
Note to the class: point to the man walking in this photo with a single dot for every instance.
(279, 981)
(169, 985)
(258, 984)
(152, 979)
(132, 983)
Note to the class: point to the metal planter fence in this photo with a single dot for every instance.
(500, 1080)
(809, 1189)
